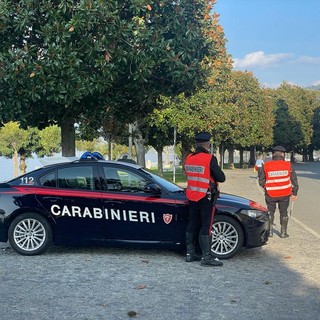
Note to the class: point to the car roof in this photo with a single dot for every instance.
(61, 162)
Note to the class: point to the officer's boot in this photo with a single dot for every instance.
(207, 259)
(271, 216)
(284, 226)
(191, 254)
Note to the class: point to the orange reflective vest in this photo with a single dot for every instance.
(278, 182)
(197, 168)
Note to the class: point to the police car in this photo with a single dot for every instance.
(98, 202)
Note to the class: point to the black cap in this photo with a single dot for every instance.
(279, 148)
(202, 137)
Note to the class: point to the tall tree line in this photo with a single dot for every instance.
(153, 65)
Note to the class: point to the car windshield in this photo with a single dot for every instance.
(171, 187)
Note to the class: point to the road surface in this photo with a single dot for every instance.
(307, 207)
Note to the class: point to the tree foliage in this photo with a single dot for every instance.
(12, 140)
(294, 117)
(315, 142)
(50, 141)
(65, 61)
(251, 111)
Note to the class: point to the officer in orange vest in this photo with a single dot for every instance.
(203, 174)
(280, 182)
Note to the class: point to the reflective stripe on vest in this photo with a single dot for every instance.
(202, 190)
(278, 182)
(197, 168)
(199, 179)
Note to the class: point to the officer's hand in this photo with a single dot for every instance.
(294, 198)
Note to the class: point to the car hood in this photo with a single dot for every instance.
(234, 201)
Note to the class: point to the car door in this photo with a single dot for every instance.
(70, 195)
(132, 213)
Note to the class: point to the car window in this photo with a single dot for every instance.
(163, 182)
(49, 180)
(70, 178)
(117, 179)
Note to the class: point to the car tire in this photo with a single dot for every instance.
(227, 237)
(30, 234)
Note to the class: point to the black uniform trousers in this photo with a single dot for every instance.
(283, 204)
(201, 214)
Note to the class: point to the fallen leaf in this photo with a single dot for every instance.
(141, 286)
(102, 304)
(132, 314)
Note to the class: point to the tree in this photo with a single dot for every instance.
(56, 60)
(50, 141)
(176, 39)
(316, 129)
(161, 133)
(251, 112)
(63, 62)
(12, 140)
(294, 116)
(315, 140)
(191, 110)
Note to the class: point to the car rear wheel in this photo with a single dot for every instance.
(30, 234)
(227, 237)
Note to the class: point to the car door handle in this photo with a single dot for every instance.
(113, 202)
(52, 199)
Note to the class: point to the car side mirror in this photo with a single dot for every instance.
(152, 188)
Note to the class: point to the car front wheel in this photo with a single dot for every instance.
(30, 234)
(227, 237)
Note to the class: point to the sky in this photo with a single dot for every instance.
(278, 40)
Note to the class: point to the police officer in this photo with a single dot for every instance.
(280, 182)
(203, 174)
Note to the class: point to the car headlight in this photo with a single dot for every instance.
(256, 214)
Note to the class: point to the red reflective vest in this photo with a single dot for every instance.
(278, 182)
(197, 168)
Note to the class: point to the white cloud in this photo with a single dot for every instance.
(311, 60)
(260, 59)
(273, 69)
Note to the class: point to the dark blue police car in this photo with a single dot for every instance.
(93, 201)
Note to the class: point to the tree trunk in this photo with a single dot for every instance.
(221, 160)
(15, 163)
(109, 147)
(23, 165)
(252, 160)
(139, 141)
(310, 153)
(185, 150)
(68, 143)
(160, 165)
(217, 153)
(241, 157)
(304, 155)
(231, 156)
(139, 145)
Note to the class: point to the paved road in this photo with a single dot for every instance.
(307, 207)
(278, 281)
